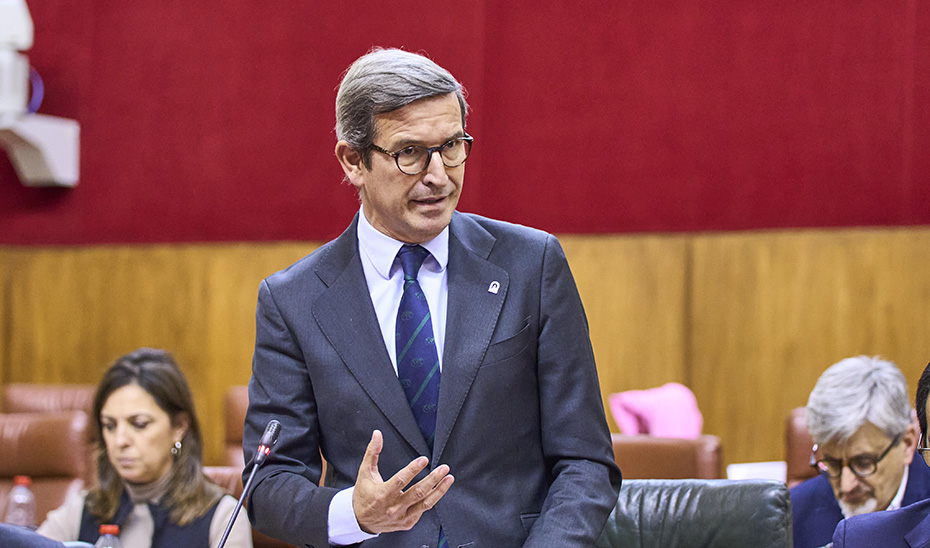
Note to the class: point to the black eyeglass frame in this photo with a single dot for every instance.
(923, 450)
(815, 463)
(467, 139)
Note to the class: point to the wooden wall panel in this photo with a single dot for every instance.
(770, 311)
(74, 310)
(747, 320)
(233, 276)
(6, 269)
(634, 290)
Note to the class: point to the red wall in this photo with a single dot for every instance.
(212, 121)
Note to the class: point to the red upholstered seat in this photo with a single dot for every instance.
(798, 445)
(651, 457)
(48, 447)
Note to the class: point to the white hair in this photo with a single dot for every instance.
(853, 392)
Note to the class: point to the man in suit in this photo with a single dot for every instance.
(908, 527)
(861, 421)
(493, 434)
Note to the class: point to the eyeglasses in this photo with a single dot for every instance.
(861, 465)
(923, 450)
(414, 159)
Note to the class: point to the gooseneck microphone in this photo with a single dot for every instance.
(269, 438)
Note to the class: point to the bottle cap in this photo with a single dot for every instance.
(22, 480)
(107, 529)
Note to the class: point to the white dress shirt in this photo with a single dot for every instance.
(895, 503)
(385, 279)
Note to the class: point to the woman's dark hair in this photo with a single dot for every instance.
(189, 494)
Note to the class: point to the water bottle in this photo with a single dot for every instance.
(109, 537)
(21, 506)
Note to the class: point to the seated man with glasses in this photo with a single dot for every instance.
(860, 418)
(908, 527)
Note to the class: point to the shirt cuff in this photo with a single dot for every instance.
(343, 527)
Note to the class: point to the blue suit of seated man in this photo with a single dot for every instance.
(860, 418)
(816, 513)
(908, 527)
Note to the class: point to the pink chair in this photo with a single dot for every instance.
(669, 411)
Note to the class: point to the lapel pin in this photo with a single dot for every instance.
(494, 287)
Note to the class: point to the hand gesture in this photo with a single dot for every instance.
(383, 506)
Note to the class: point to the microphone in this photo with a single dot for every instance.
(269, 438)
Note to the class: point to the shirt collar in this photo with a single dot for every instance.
(899, 496)
(381, 249)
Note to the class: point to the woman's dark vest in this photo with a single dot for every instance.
(167, 534)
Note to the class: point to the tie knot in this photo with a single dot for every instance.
(411, 258)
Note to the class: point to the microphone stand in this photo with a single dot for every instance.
(269, 438)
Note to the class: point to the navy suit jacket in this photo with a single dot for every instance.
(12, 536)
(815, 511)
(520, 420)
(908, 527)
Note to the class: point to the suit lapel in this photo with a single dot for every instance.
(473, 310)
(347, 318)
(918, 482)
(919, 536)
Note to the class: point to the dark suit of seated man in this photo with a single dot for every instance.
(908, 527)
(860, 419)
(12, 536)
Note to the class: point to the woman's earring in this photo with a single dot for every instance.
(177, 448)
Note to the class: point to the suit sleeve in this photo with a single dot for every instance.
(575, 436)
(839, 535)
(286, 501)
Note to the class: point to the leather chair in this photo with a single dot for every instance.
(37, 398)
(235, 404)
(42, 446)
(798, 445)
(706, 513)
(44, 398)
(651, 457)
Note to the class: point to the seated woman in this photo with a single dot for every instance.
(149, 453)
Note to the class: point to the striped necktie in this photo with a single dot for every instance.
(417, 359)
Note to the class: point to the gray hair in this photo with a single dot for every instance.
(855, 391)
(384, 80)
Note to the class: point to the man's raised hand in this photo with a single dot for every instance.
(383, 506)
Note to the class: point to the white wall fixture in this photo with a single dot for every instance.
(44, 150)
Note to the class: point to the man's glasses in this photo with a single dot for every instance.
(861, 465)
(923, 449)
(414, 159)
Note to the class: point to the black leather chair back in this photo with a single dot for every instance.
(700, 513)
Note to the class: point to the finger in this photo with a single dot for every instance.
(405, 475)
(433, 495)
(372, 453)
(425, 486)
